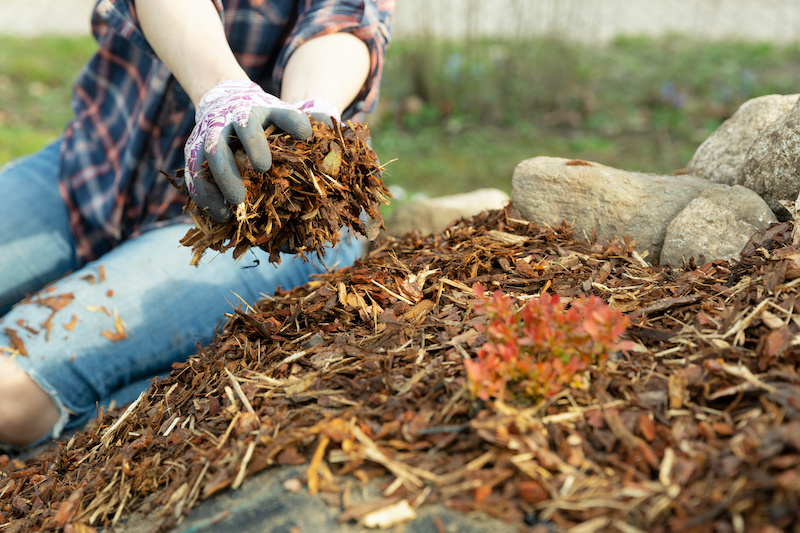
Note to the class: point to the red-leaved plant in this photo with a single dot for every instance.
(536, 351)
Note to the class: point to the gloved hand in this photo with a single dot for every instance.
(241, 108)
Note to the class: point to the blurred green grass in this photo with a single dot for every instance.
(35, 79)
(456, 116)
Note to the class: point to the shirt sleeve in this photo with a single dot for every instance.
(369, 20)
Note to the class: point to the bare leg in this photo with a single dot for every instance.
(27, 412)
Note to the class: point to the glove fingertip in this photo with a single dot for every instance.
(208, 197)
(220, 215)
(294, 122)
(255, 143)
(261, 162)
(322, 117)
(226, 174)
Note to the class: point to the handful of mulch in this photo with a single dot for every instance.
(313, 190)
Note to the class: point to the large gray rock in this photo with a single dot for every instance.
(715, 225)
(770, 167)
(721, 156)
(435, 214)
(612, 202)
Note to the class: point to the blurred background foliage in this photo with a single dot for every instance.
(461, 115)
(35, 78)
(456, 115)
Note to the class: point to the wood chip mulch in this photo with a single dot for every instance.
(313, 189)
(360, 372)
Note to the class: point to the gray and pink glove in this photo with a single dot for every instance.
(243, 109)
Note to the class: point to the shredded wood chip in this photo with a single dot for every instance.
(695, 430)
(69, 326)
(118, 333)
(16, 342)
(391, 515)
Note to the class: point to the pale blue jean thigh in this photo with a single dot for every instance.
(36, 245)
(127, 317)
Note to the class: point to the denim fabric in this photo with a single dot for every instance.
(150, 308)
(36, 245)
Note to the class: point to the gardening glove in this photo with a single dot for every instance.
(321, 110)
(243, 109)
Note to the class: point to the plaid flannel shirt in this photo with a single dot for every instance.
(132, 118)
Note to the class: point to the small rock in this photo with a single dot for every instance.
(435, 214)
(612, 202)
(770, 167)
(716, 225)
(721, 156)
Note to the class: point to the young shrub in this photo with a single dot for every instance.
(536, 351)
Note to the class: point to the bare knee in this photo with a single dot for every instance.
(27, 413)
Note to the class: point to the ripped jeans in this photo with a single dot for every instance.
(92, 333)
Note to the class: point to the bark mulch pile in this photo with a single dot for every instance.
(313, 190)
(360, 372)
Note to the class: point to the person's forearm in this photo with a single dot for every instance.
(187, 35)
(332, 67)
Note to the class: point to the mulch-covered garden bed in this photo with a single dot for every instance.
(696, 428)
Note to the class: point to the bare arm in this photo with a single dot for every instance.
(332, 67)
(187, 35)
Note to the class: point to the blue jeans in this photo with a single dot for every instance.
(101, 331)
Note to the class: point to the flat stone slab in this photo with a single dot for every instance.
(262, 504)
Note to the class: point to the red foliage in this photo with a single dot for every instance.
(536, 351)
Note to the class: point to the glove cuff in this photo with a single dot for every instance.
(231, 88)
(317, 105)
